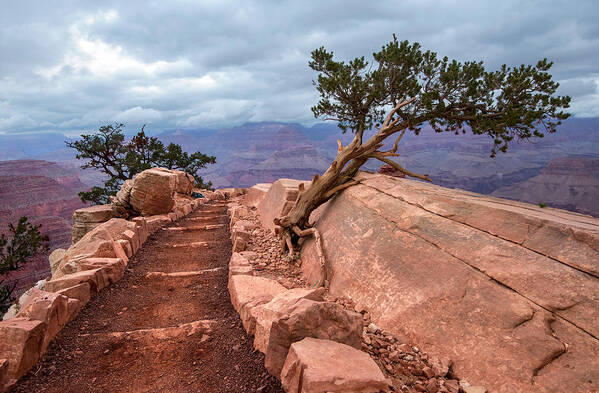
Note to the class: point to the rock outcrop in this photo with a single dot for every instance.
(510, 290)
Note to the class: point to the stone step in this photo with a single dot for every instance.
(194, 228)
(162, 275)
(191, 245)
(206, 218)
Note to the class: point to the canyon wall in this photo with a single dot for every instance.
(509, 291)
(47, 194)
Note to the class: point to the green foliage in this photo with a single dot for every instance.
(541, 204)
(24, 241)
(109, 152)
(512, 102)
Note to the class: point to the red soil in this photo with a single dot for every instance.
(92, 355)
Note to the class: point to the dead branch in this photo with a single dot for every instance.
(396, 143)
(395, 165)
(332, 192)
(388, 123)
(339, 146)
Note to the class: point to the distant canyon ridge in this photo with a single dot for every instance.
(40, 178)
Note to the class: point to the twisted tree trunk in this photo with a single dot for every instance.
(340, 175)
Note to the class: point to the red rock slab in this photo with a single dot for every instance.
(571, 238)
(94, 278)
(244, 289)
(98, 243)
(113, 268)
(315, 366)
(555, 286)
(391, 259)
(273, 203)
(81, 292)
(308, 318)
(256, 194)
(263, 316)
(21, 341)
(50, 308)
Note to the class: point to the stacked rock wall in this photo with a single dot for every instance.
(310, 344)
(93, 262)
(154, 191)
(508, 290)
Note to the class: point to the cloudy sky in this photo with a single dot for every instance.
(72, 66)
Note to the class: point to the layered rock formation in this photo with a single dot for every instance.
(47, 194)
(565, 183)
(508, 290)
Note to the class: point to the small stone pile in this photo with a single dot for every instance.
(266, 248)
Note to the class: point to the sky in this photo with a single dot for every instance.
(72, 66)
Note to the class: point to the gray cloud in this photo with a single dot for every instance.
(71, 66)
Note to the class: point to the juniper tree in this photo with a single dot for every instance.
(109, 152)
(24, 241)
(404, 88)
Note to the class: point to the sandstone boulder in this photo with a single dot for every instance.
(244, 289)
(81, 292)
(98, 243)
(315, 366)
(88, 218)
(255, 194)
(95, 278)
(152, 192)
(156, 222)
(261, 318)
(50, 308)
(239, 265)
(21, 341)
(308, 318)
(142, 229)
(278, 200)
(112, 268)
(184, 182)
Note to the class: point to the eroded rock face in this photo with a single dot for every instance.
(504, 287)
(315, 366)
(308, 318)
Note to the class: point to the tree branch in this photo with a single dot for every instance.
(395, 165)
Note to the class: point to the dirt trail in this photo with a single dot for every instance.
(167, 326)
